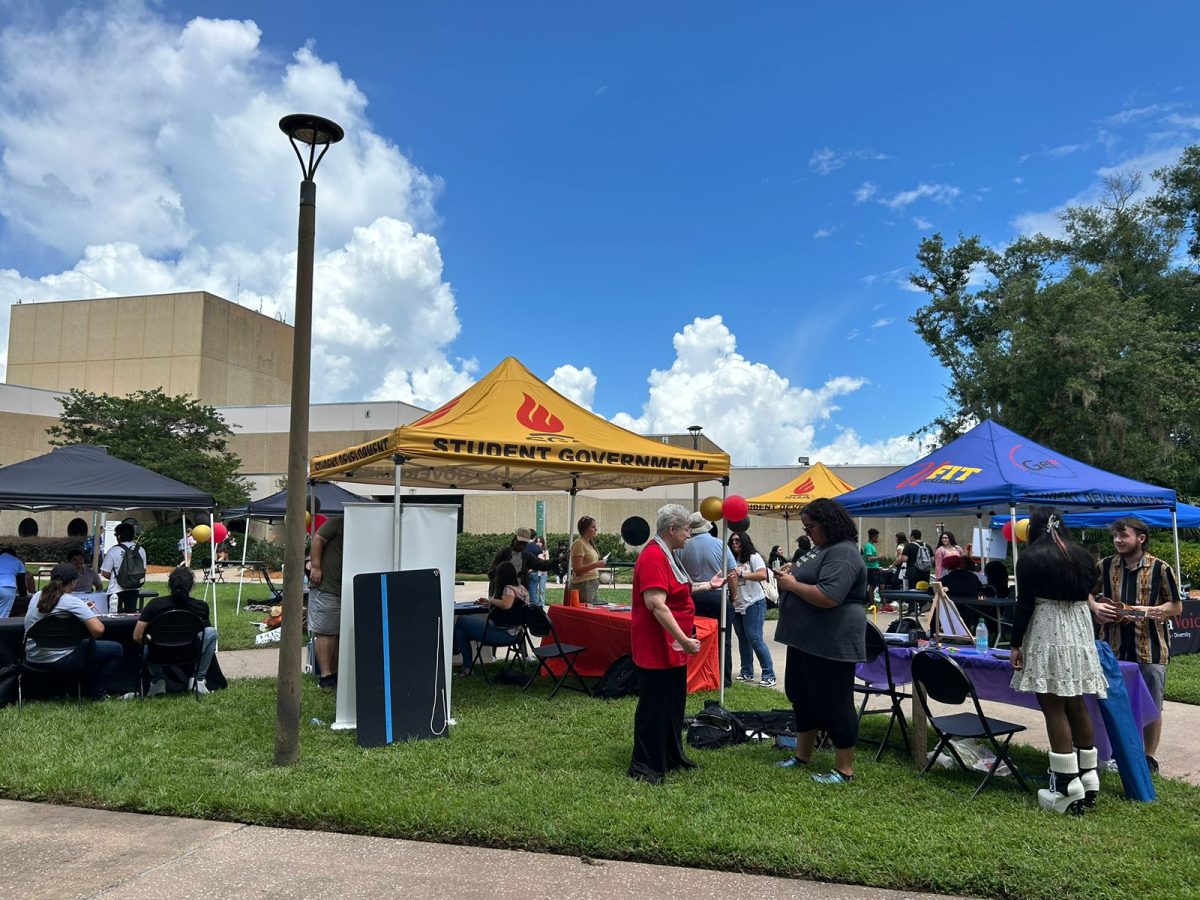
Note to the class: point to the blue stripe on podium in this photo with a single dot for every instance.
(387, 661)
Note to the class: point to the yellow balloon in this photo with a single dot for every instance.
(921, 586)
(201, 533)
(307, 519)
(1023, 530)
(710, 508)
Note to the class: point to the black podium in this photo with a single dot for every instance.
(400, 657)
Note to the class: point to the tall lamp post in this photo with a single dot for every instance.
(695, 430)
(310, 133)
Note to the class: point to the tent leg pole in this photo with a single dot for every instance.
(397, 516)
(570, 540)
(242, 571)
(1175, 537)
(1012, 517)
(212, 566)
(724, 597)
(787, 534)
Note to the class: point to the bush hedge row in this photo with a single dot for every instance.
(475, 551)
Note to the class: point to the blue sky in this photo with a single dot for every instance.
(597, 182)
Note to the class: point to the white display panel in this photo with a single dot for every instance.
(429, 541)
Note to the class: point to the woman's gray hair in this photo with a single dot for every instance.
(669, 516)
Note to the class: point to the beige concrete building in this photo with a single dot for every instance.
(240, 362)
(192, 343)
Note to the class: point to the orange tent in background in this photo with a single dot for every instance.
(786, 501)
(512, 431)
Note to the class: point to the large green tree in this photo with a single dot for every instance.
(175, 436)
(1085, 342)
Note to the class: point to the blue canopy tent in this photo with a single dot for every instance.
(1186, 516)
(991, 466)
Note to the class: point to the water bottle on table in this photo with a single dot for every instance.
(981, 637)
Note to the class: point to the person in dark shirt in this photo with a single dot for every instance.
(803, 548)
(180, 584)
(963, 586)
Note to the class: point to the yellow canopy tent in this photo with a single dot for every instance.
(512, 431)
(786, 501)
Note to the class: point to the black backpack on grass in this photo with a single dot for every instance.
(620, 680)
(714, 727)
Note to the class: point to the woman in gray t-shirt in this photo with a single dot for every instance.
(822, 621)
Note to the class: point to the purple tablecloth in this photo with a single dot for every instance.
(991, 675)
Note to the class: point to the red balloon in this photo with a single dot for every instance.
(220, 532)
(1007, 531)
(317, 521)
(734, 509)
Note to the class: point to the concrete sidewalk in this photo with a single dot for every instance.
(61, 851)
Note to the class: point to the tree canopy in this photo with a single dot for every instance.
(1085, 342)
(178, 437)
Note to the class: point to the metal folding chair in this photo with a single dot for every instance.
(517, 648)
(57, 631)
(877, 646)
(565, 653)
(944, 681)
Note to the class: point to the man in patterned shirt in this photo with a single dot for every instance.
(1132, 577)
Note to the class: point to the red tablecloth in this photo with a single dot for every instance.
(605, 633)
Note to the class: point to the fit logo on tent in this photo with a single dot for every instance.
(806, 487)
(537, 418)
(935, 471)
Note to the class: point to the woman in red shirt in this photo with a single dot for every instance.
(663, 615)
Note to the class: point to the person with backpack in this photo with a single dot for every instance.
(125, 568)
(180, 583)
(917, 559)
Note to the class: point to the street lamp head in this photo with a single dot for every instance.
(315, 131)
(803, 460)
(695, 429)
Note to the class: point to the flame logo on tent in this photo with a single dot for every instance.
(537, 418)
(806, 487)
(437, 413)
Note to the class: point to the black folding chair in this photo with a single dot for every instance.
(516, 647)
(58, 631)
(172, 640)
(877, 646)
(565, 653)
(944, 681)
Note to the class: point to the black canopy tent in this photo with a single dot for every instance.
(331, 501)
(83, 476)
(332, 498)
(86, 477)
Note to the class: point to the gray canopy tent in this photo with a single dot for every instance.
(83, 476)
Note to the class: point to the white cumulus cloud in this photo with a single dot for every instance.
(942, 193)
(141, 156)
(578, 385)
(826, 160)
(748, 408)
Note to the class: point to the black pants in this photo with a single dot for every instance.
(126, 601)
(708, 604)
(822, 695)
(658, 724)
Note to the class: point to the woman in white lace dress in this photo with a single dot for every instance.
(1054, 656)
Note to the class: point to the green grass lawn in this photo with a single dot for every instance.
(1183, 679)
(521, 772)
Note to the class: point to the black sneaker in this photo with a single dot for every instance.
(329, 682)
(1153, 764)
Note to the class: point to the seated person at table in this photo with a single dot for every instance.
(509, 601)
(179, 583)
(97, 665)
(88, 581)
(962, 586)
(996, 575)
(14, 580)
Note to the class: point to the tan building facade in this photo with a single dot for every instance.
(190, 343)
(240, 362)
